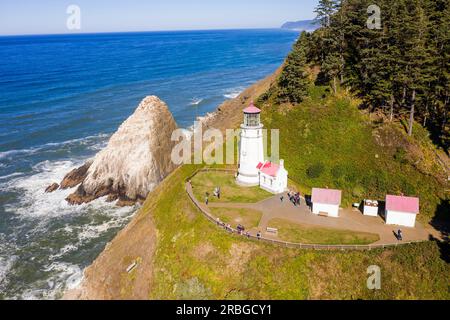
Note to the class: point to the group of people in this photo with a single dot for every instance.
(294, 197)
(240, 229)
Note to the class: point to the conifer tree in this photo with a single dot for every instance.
(293, 81)
(324, 11)
(402, 69)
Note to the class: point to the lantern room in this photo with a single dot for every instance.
(252, 116)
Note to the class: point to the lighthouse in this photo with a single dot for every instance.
(251, 151)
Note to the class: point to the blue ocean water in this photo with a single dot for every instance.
(62, 96)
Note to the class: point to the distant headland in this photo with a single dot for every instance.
(301, 25)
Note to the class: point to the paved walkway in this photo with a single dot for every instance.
(349, 219)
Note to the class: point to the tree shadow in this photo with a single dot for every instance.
(441, 219)
(322, 79)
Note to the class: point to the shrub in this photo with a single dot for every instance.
(400, 155)
(315, 171)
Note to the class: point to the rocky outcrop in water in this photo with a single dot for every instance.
(52, 187)
(135, 161)
(76, 176)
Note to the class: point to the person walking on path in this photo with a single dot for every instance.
(399, 234)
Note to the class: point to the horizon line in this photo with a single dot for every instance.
(139, 31)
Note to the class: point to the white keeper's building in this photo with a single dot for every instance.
(272, 177)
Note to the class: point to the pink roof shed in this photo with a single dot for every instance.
(326, 196)
(402, 204)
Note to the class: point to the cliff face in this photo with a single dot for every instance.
(135, 161)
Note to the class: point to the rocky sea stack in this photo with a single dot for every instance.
(135, 161)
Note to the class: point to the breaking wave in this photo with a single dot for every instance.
(89, 142)
(195, 101)
(233, 93)
(56, 233)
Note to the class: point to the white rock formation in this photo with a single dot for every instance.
(136, 159)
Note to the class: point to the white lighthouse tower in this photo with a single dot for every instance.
(251, 151)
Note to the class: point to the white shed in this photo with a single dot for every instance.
(272, 177)
(401, 210)
(326, 201)
(370, 208)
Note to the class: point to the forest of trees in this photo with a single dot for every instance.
(399, 66)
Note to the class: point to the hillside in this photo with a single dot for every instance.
(327, 141)
(181, 255)
(193, 259)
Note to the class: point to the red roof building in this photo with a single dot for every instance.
(268, 168)
(401, 210)
(326, 196)
(402, 204)
(326, 201)
(272, 176)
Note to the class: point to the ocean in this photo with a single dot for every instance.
(61, 98)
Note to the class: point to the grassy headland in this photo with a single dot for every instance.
(327, 141)
(195, 259)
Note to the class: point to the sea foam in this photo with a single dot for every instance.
(44, 215)
(233, 92)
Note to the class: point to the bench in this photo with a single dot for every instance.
(131, 267)
(272, 230)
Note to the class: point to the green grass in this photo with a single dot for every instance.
(249, 218)
(300, 233)
(230, 192)
(196, 260)
(327, 142)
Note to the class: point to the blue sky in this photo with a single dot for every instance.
(49, 16)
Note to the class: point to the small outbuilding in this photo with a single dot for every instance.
(272, 177)
(370, 208)
(326, 201)
(401, 210)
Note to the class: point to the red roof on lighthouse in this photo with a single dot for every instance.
(252, 109)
